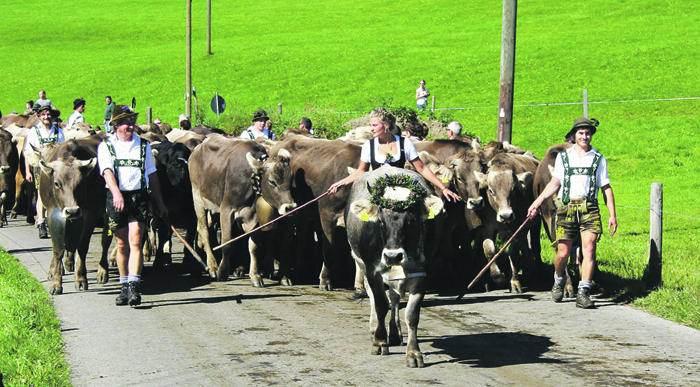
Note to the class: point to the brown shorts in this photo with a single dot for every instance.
(135, 209)
(577, 217)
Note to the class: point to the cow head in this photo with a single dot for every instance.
(465, 165)
(9, 161)
(402, 232)
(502, 182)
(66, 184)
(174, 160)
(276, 179)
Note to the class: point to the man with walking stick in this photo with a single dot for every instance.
(578, 174)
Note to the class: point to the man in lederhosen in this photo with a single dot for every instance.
(578, 174)
(45, 132)
(126, 162)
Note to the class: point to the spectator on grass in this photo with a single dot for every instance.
(422, 95)
(579, 173)
(29, 108)
(268, 132)
(77, 116)
(306, 124)
(109, 110)
(42, 101)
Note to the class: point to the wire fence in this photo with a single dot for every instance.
(665, 212)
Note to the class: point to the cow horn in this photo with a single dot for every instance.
(46, 168)
(90, 164)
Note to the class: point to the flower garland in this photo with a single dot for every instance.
(412, 184)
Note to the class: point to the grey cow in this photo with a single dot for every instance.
(392, 246)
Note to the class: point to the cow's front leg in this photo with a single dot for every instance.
(395, 337)
(81, 282)
(514, 258)
(378, 311)
(69, 261)
(55, 271)
(255, 277)
(414, 358)
(496, 275)
(103, 269)
(325, 275)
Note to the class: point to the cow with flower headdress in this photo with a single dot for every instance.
(393, 219)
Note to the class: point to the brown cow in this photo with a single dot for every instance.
(221, 170)
(508, 181)
(9, 163)
(74, 195)
(16, 119)
(317, 164)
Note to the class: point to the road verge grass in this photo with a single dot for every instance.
(31, 346)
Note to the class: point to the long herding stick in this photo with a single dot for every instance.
(495, 256)
(270, 222)
(194, 253)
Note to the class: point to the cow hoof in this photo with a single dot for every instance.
(515, 288)
(395, 341)
(13, 215)
(56, 290)
(414, 361)
(380, 349)
(102, 277)
(238, 273)
(360, 293)
(326, 288)
(286, 281)
(500, 280)
(81, 286)
(569, 291)
(258, 284)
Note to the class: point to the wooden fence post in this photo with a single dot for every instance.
(585, 103)
(149, 115)
(432, 106)
(652, 274)
(279, 108)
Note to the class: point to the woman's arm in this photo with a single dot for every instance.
(430, 176)
(362, 168)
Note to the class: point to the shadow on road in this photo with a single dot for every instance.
(31, 250)
(489, 350)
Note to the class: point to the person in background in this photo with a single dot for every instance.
(422, 95)
(306, 124)
(257, 129)
(268, 132)
(126, 163)
(185, 123)
(29, 108)
(416, 132)
(42, 101)
(109, 110)
(41, 134)
(579, 173)
(388, 148)
(77, 116)
(454, 131)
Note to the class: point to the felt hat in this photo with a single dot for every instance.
(54, 112)
(583, 122)
(78, 103)
(122, 113)
(260, 115)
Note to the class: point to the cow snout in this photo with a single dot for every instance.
(286, 207)
(72, 212)
(5, 170)
(393, 256)
(475, 204)
(505, 216)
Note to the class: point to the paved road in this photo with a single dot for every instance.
(193, 332)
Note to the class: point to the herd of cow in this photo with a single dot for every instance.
(218, 187)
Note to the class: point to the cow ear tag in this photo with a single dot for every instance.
(364, 216)
(431, 214)
(444, 179)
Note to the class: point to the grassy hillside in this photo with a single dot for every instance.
(320, 57)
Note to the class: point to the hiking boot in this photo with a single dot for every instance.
(557, 292)
(583, 299)
(134, 295)
(123, 297)
(43, 230)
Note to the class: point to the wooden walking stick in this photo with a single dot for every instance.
(495, 256)
(194, 253)
(270, 222)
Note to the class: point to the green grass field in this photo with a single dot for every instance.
(323, 59)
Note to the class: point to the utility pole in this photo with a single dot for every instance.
(208, 27)
(505, 100)
(188, 95)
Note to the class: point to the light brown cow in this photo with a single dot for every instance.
(221, 170)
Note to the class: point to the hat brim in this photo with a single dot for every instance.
(263, 118)
(122, 117)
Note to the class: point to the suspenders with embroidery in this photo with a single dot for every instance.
(250, 133)
(49, 140)
(395, 163)
(570, 171)
(129, 162)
